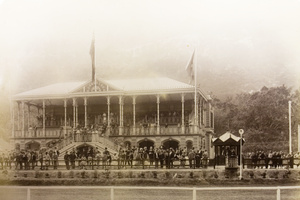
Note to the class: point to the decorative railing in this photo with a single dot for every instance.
(58, 133)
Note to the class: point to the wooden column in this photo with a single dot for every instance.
(200, 112)
(121, 115)
(133, 105)
(28, 120)
(13, 119)
(74, 113)
(44, 118)
(85, 112)
(65, 108)
(19, 116)
(76, 120)
(158, 125)
(196, 115)
(108, 111)
(182, 115)
(23, 119)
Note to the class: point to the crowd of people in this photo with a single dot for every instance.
(136, 157)
(93, 158)
(273, 159)
(29, 160)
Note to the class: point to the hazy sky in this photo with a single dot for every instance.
(46, 41)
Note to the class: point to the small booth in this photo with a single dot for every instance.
(227, 150)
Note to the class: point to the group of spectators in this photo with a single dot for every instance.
(134, 157)
(273, 159)
(29, 160)
(93, 158)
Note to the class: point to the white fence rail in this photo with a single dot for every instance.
(112, 189)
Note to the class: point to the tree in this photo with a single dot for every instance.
(263, 114)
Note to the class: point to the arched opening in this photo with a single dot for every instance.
(146, 143)
(33, 146)
(85, 150)
(189, 145)
(171, 144)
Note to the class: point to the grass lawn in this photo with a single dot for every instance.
(134, 194)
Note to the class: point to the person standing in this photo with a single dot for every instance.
(47, 160)
(67, 159)
(161, 157)
(72, 159)
(151, 155)
(156, 158)
(55, 160)
(33, 159)
(191, 157)
(41, 159)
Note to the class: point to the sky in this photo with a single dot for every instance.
(255, 42)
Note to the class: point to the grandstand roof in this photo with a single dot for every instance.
(122, 85)
(148, 84)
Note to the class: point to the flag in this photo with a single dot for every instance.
(92, 53)
(190, 68)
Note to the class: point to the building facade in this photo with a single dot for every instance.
(113, 113)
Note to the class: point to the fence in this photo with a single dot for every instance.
(119, 163)
(194, 190)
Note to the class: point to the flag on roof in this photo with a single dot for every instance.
(190, 68)
(92, 53)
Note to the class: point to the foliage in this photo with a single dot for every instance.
(263, 115)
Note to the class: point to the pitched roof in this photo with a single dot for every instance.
(54, 89)
(148, 84)
(226, 136)
(119, 84)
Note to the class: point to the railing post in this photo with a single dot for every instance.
(278, 194)
(194, 193)
(112, 193)
(28, 193)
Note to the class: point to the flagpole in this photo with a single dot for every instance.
(195, 69)
(290, 127)
(95, 58)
